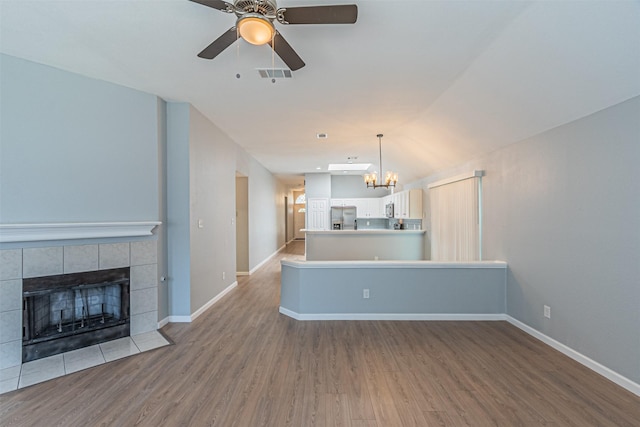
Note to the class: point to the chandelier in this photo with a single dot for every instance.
(390, 178)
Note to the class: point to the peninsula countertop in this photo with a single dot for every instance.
(364, 231)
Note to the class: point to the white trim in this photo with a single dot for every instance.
(393, 264)
(178, 319)
(264, 261)
(198, 312)
(392, 316)
(212, 301)
(608, 373)
(480, 218)
(242, 273)
(12, 233)
(163, 322)
(474, 174)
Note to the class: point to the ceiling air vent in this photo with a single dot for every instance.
(274, 73)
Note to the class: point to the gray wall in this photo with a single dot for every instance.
(242, 224)
(201, 168)
(562, 209)
(317, 186)
(178, 208)
(266, 214)
(74, 148)
(163, 255)
(330, 289)
(212, 196)
(353, 186)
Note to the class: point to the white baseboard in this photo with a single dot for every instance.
(391, 316)
(176, 319)
(212, 301)
(242, 273)
(163, 322)
(264, 261)
(622, 381)
(198, 312)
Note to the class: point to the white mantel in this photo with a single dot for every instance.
(12, 233)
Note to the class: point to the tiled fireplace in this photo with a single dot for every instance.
(133, 262)
(66, 312)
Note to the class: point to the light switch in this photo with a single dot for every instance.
(200, 223)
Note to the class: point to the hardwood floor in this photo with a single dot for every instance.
(244, 364)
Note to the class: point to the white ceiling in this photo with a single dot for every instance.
(445, 81)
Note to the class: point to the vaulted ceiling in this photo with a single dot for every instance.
(444, 81)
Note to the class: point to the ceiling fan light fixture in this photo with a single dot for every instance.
(256, 29)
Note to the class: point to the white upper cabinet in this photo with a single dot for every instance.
(375, 208)
(366, 208)
(408, 204)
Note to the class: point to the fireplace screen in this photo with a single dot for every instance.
(71, 311)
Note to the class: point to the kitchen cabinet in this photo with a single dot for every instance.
(366, 207)
(408, 204)
(370, 208)
(375, 208)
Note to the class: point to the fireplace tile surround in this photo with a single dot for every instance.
(22, 263)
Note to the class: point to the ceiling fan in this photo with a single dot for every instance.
(255, 24)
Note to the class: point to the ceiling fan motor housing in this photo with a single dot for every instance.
(266, 8)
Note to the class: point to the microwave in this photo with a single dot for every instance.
(388, 210)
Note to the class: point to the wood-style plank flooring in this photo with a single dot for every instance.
(244, 364)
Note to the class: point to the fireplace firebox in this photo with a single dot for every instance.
(70, 311)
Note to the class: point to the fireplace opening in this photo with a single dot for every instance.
(70, 311)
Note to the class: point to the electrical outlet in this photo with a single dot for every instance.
(547, 312)
(365, 293)
(224, 275)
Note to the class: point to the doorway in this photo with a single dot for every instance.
(242, 225)
(286, 219)
(299, 214)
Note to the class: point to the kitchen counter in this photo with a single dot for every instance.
(358, 245)
(363, 231)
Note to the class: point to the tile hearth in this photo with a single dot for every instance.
(58, 365)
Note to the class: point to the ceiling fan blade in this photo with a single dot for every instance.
(219, 44)
(216, 4)
(337, 14)
(286, 52)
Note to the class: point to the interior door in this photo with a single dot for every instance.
(317, 214)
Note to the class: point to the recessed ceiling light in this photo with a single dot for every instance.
(349, 166)
(318, 168)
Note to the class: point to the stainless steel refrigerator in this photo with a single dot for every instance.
(343, 217)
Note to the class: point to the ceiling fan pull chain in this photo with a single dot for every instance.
(273, 56)
(237, 53)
